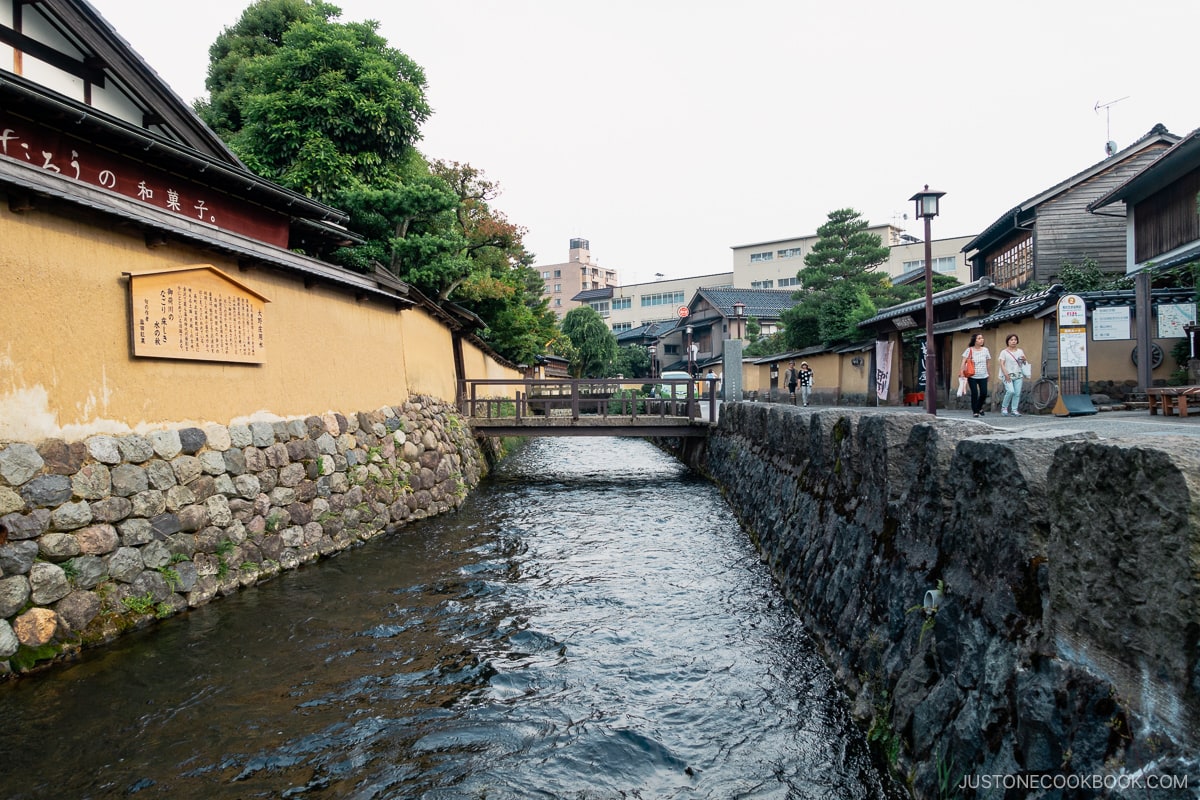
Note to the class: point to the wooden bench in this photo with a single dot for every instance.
(1161, 396)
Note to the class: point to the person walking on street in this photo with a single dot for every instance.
(805, 376)
(1012, 358)
(790, 377)
(975, 369)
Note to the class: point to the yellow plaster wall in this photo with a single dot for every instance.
(479, 364)
(855, 380)
(428, 355)
(65, 363)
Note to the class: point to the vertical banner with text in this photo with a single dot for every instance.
(883, 368)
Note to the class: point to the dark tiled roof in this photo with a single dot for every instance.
(1040, 302)
(1021, 306)
(760, 303)
(955, 295)
(594, 294)
(651, 330)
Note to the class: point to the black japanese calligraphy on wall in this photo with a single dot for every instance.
(197, 313)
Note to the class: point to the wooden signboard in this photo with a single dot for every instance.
(197, 313)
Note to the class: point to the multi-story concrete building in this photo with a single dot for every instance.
(762, 265)
(629, 307)
(561, 282)
(774, 264)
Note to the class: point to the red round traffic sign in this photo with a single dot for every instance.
(683, 311)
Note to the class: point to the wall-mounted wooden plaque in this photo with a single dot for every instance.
(196, 313)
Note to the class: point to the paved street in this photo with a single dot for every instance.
(1108, 424)
(1105, 423)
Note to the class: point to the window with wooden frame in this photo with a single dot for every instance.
(1012, 266)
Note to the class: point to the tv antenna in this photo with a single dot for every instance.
(1110, 147)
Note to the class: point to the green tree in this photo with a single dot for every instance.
(520, 322)
(259, 32)
(594, 343)
(753, 329)
(630, 361)
(330, 110)
(840, 285)
(311, 103)
(1087, 277)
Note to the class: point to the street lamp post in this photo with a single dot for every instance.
(688, 330)
(927, 209)
(739, 313)
(652, 350)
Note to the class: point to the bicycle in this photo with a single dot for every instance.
(1037, 396)
(1044, 391)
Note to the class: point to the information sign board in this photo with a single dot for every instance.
(196, 313)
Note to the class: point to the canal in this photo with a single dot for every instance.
(591, 624)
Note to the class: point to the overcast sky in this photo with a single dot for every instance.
(668, 131)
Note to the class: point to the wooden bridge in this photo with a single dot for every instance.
(589, 407)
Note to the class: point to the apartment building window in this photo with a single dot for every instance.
(622, 303)
(546, 275)
(558, 302)
(767, 256)
(601, 307)
(790, 252)
(620, 327)
(788, 282)
(558, 273)
(944, 264)
(558, 287)
(762, 284)
(662, 299)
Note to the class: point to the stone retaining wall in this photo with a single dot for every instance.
(1066, 638)
(110, 533)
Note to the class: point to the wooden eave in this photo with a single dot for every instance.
(109, 52)
(72, 118)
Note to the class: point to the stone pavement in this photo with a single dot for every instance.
(1109, 424)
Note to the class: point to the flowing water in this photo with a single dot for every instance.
(591, 624)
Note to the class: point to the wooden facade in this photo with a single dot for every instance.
(1168, 219)
(1161, 208)
(1034, 240)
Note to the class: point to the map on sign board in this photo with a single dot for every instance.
(197, 313)
(1072, 347)
(1172, 317)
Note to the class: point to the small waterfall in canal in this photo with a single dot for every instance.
(591, 624)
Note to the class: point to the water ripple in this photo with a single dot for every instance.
(591, 624)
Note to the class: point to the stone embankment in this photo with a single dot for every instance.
(107, 534)
(996, 604)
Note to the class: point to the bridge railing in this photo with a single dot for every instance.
(503, 398)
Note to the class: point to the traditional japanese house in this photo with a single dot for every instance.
(1034, 239)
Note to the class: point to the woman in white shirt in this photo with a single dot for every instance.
(1012, 358)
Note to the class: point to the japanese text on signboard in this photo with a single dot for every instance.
(198, 314)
